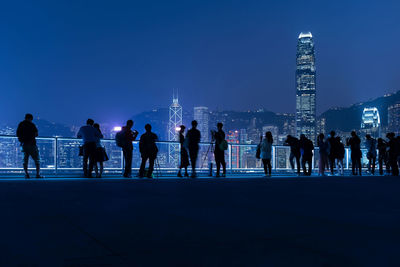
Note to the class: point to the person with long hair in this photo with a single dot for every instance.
(184, 154)
(266, 153)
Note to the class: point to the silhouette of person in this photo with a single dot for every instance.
(340, 155)
(293, 142)
(354, 143)
(89, 136)
(382, 155)
(127, 137)
(193, 136)
(219, 151)
(306, 149)
(148, 150)
(100, 155)
(323, 146)
(370, 144)
(393, 153)
(184, 154)
(333, 151)
(266, 153)
(27, 133)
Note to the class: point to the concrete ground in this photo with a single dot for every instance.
(331, 221)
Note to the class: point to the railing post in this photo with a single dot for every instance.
(230, 157)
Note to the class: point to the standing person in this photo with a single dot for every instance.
(306, 148)
(393, 153)
(27, 133)
(266, 153)
(323, 154)
(184, 153)
(354, 143)
(124, 139)
(193, 136)
(333, 152)
(100, 153)
(382, 155)
(370, 143)
(89, 136)
(340, 155)
(293, 142)
(219, 150)
(148, 150)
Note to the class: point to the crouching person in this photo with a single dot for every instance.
(148, 150)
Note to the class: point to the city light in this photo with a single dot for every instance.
(177, 129)
(117, 128)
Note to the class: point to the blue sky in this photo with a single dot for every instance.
(68, 60)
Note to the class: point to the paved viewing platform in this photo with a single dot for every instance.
(330, 221)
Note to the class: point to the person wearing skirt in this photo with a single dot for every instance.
(100, 154)
(184, 154)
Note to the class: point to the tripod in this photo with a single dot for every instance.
(210, 147)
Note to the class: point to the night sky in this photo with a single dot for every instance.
(65, 61)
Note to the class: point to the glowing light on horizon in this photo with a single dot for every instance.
(117, 128)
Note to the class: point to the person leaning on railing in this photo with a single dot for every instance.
(27, 133)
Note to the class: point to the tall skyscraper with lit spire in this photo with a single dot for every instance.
(175, 120)
(305, 87)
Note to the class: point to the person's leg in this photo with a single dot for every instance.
(380, 161)
(291, 160)
(298, 164)
(353, 164)
(223, 162)
(85, 160)
(309, 166)
(194, 162)
(25, 163)
(373, 165)
(217, 162)
(142, 166)
(151, 167)
(128, 166)
(369, 164)
(332, 163)
(36, 158)
(101, 169)
(359, 166)
(303, 163)
(269, 166)
(264, 161)
(92, 158)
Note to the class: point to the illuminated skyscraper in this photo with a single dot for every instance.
(394, 118)
(201, 115)
(175, 120)
(305, 87)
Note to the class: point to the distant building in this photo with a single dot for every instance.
(321, 126)
(232, 137)
(394, 118)
(371, 121)
(305, 87)
(202, 116)
(175, 120)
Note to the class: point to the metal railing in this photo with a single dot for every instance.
(59, 156)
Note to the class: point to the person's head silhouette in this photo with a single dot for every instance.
(182, 128)
(219, 126)
(147, 127)
(96, 126)
(194, 124)
(90, 122)
(129, 124)
(29, 117)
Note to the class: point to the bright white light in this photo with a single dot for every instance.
(117, 128)
(177, 129)
(305, 35)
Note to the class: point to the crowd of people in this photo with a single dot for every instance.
(331, 150)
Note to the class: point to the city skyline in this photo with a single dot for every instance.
(125, 58)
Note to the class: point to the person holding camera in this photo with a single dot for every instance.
(219, 152)
(148, 151)
(124, 139)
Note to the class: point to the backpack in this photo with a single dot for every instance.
(120, 139)
(223, 145)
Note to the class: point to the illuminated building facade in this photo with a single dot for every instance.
(305, 87)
